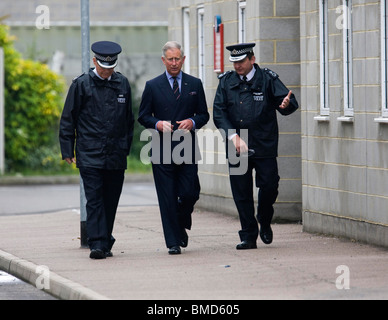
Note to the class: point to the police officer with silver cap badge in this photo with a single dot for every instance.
(248, 98)
(97, 122)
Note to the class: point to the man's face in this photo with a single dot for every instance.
(104, 73)
(245, 66)
(173, 61)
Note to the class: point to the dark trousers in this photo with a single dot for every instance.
(102, 191)
(267, 180)
(178, 189)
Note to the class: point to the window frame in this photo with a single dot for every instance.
(201, 42)
(242, 21)
(384, 58)
(348, 58)
(186, 38)
(324, 58)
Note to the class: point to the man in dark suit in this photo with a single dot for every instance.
(173, 106)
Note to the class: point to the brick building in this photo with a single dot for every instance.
(191, 22)
(333, 154)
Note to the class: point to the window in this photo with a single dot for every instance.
(201, 43)
(242, 21)
(384, 50)
(384, 63)
(186, 38)
(384, 57)
(347, 61)
(324, 61)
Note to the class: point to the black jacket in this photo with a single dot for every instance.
(254, 109)
(97, 116)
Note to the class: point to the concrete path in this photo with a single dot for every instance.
(298, 265)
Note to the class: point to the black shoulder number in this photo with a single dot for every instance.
(75, 79)
(271, 73)
(220, 76)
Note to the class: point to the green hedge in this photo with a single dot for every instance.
(33, 104)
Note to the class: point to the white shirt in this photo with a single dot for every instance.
(250, 75)
(178, 78)
(96, 73)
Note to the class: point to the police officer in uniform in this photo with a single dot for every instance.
(97, 120)
(247, 98)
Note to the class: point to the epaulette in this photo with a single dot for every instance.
(273, 74)
(224, 74)
(78, 77)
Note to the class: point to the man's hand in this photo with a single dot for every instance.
(240, 144)
(286, 101)
(70, 160)
(185, 124)
(164, 126)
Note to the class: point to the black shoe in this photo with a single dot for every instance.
(174, 250)
(246, 245)
(185, 239)
(109, 254)
(97, 254)
(266, 234)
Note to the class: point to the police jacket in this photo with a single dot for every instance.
(252, 106)
(98, 118)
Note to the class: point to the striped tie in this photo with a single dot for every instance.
(175, 88)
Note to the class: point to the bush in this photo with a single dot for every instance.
(33, 104)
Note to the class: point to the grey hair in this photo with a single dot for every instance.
(172, 45)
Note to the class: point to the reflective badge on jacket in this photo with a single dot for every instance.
(258, 96)
(121, 99)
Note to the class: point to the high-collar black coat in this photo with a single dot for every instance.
(98, 119)
(252, 106)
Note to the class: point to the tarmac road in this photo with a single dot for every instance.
(30, 199)
(12, 288)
